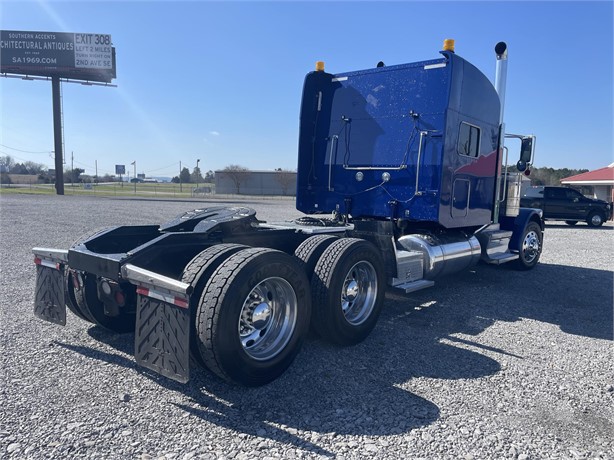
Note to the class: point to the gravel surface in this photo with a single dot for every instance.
(490, 363)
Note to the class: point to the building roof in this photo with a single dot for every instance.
(598, 176)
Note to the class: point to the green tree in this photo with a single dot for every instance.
(34, 168)
(108, 178)
(196, 175)
(551, 176)
(73, 175)
(6, 163)
(18, 168)
(184, 175)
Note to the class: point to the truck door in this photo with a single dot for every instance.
(577, 204)
(555, 203)
(460, 197)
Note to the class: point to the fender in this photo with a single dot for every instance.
(519, 223)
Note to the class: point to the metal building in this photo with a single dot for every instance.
(278, 183)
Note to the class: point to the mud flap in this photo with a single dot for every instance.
(162, 340)
(50, 297)
(162, 336)
(49, 302)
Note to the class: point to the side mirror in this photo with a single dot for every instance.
(526, 150)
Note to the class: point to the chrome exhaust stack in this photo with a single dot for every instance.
(501, 75)
(500, 83)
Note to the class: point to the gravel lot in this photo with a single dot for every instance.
(490, 363)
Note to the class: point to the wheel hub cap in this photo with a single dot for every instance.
(351, 291)
(268, 318)
(359, 293)
(530, 247)
(261, 316)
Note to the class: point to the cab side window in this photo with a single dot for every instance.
(556, 194)
(469, 140)
(574, 194)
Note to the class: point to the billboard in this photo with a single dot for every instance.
(77, 56)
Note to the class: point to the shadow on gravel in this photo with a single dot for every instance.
(578, 300)
(369, 389)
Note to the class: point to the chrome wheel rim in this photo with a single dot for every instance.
(596, 219)
(359, 293)
(530, 246)
(268, 318)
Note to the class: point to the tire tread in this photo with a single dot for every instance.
(321, 282)
(215, 290)
(310, 251)
(194, 273)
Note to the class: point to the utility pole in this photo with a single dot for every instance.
(96, 181)
(180, 188)
(197, 172)
(134, 178)
(72, 169)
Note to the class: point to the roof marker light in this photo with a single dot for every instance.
(448, 44)
(320, 66)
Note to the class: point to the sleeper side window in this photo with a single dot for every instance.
(468, 140)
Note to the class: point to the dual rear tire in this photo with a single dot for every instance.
(252, 307)
(347, 287)
(252, 315)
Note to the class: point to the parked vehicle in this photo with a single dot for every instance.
(406, 160)
(564, 203)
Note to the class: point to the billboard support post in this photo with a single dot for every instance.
(57, 134)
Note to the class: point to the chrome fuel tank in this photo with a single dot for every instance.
(443, 254)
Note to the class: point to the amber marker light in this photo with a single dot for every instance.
(448, 44)
(320, 66)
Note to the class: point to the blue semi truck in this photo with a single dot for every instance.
(402, 177)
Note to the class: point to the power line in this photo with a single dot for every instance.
(25, 151)
(84, 165)
(163, 167)
(17, 158)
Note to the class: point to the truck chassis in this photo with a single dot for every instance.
(238, 295)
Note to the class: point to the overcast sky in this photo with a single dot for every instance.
(221, 81)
